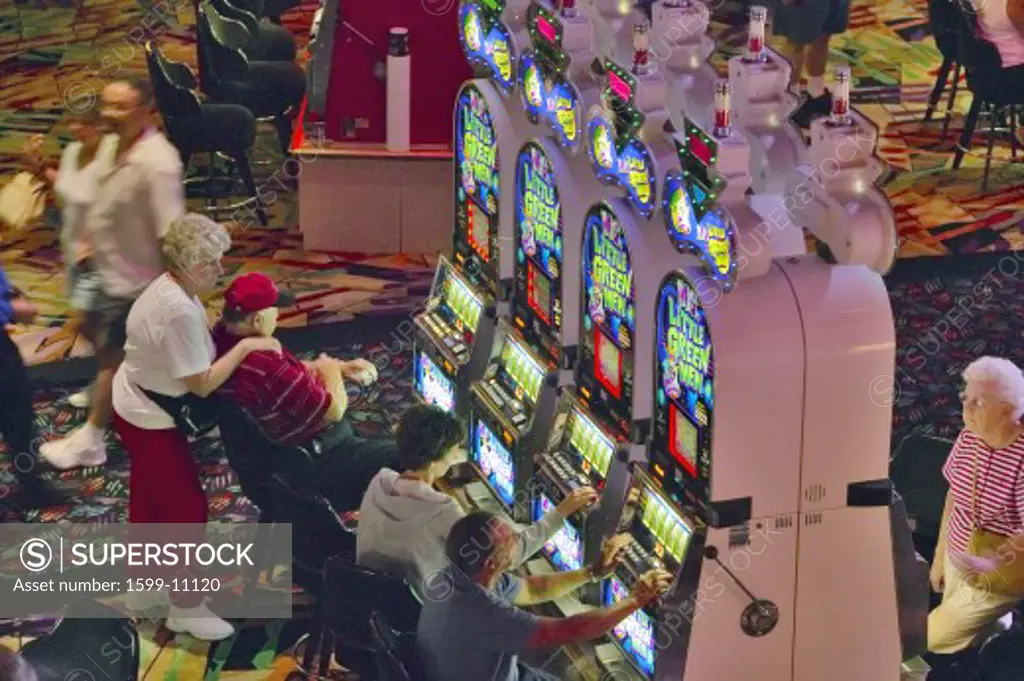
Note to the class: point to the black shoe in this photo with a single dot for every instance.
(811, 108)
(35, 493)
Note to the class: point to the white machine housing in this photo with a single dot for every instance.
(761, 107)
(836, 198)
(846, 559)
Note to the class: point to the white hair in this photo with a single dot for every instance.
(193, 238)
(1005, 378)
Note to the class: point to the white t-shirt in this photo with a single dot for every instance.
(137, 200)
(168, 339)
(76, 186)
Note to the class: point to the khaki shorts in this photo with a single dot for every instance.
(108, 318)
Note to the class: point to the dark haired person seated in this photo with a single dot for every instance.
(299, 403)
(404, 520)
(472, 627)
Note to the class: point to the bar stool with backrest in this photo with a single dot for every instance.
(994, 88)
(267, 41)
(196, 127)
(944, 23)
(272, 91)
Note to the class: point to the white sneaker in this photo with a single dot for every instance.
(148, 603)
(83, 448)
(81, 399)
(198, 622)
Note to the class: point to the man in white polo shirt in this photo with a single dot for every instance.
(137, 200)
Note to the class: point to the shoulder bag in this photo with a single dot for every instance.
(1008, 579)
(194, 416)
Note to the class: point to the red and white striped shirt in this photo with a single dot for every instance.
(1000, 489)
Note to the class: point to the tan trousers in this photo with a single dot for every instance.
(966, 614)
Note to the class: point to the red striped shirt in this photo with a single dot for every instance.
(288, 400)
(1000, 489)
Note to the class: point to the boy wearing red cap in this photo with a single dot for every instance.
(299, 403)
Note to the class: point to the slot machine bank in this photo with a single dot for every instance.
(453, 336)
(727, 412)
(536, 346)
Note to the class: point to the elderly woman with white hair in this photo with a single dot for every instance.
(984, 509)
(169, 355)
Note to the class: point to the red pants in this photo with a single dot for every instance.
(163, 486)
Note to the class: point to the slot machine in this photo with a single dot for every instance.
(511, 409)
(554, 184)
(450, 351)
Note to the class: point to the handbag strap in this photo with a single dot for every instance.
(165, 402)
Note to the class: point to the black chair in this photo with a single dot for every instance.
(944, 23)
(76, 642)
(395, 651)
(916, 471)
(996, 89)
(195, 127)
(1002, 657)
(268, 9)
(351, 594)
(272, 91)
(318, 535)
(266, 41)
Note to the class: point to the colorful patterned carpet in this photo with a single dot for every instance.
(257, 652)
(54, 55)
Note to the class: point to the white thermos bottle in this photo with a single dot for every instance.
(399, 84)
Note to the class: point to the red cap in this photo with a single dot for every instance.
(251, 293)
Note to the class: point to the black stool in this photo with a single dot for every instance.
(195, 127)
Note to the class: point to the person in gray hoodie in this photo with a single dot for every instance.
(404, 520)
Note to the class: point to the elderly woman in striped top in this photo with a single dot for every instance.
(984, 514)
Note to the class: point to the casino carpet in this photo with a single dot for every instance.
(52, 53)
(103, 497)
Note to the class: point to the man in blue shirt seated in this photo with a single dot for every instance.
(472, 627)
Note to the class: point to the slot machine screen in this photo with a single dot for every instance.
(479, 230)
(565, 549)
(433, 384)
(661, 529)
(461, 305)
(495, 463)
(608, 364)
(591, 445)
(520, 372)
(635, 633)
(684, 440)
(540, 293)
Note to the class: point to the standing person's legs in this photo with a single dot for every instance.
(965, 615)
(164, 487)
(85, 446)
(17, 419)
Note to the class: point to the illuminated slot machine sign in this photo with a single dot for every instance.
(477, 190)
(487, 42)
(660, 535)
(605, 371)
(537, 299)
(617, 155)
(546, 93)
(684, 404)
(693, 219)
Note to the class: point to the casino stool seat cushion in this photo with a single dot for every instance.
(272, 43)
(219, 126)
